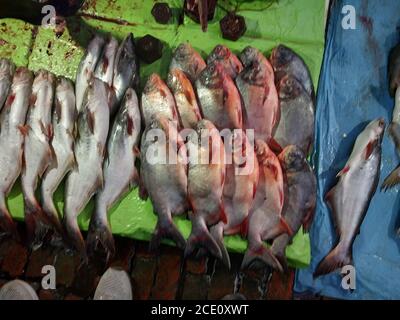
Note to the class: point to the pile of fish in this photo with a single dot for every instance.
(251, 118)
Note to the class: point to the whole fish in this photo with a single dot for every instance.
(38, 152)
(300, 198)
(86, 68)
(157, 99)
(394, 127)
(164, 177)
(64, 114)
(286, 62)
(230, 62)
(350, 198)
(260, 98)
(219, 98)
(7, 69)
(296, 123)
(86, 178)
(120, 174)
(12, 120)
(126, 69)
(206, 180)
(185, 98)
(105, 66)
(240, 187)
(265, 218)
(188, 60)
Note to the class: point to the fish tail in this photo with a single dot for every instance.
(7, 224)
(51, 214)
(166, 228)
(278, 249)
(392, 179)
(74, 237)
(263, 254)
(339, 257)
(100, 234)
(36, 223)
(217, 233)
(200, 237)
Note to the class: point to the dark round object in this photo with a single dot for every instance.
(161, 12)
(232, 26)
(149, 49)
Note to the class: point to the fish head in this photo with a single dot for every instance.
(153, 84)
(289, 88)
(281, 56)
(220, 52)
(249, 55)
(292, 158)
(183, 52)
(213, 75)
(22, 76)
(376, 129)
(6, 68)
(255, 74)
(64, 84)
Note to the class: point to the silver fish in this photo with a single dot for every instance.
(86, 179)
(38, 152)
(163, 178)
(300, 198)
(12, 120)
(105, 66)
(223, 55)
(286, 62)
(350, 198)
(64, 115)
(185, 98)
(157, 99)
(219, 98)
(86, 68)
(240, 187)
(7, 69)
(188, 60)
(206, 179)
(120, 173)
(296, 123)
(265, 218)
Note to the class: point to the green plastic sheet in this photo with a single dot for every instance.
(299, 24)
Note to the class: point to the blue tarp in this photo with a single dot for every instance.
(353, 90)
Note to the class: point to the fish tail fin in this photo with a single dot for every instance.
(166, 228)
(261, 253)
(36, 223)
(100, 234)
(278, 249)
(339, 257)
(7, 224)
(217, 233)
(74, 237)
(200, 237)
(51, 214)
(392, 179)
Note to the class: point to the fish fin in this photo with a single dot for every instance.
(100, 237)
(285, 227)
(262, 253)
(135, 180)
(223, 217)
(244, 227)
(343, 171)
(200, 237)
(278, 249)
(36, 224)
(217, 232)
(274, 145)
(308, 220)
(392, 180)
(74, 236)
(8, 225)
(336, 259)
(166, 229)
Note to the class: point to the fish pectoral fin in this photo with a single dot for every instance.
(392, 180)
(343, 171)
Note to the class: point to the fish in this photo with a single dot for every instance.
(229, 60)
(349, 207)
(126, 70)
(86, 178)
(163, 177)
(64, 116)
(120, 173)
(260, 98)
(241, 180)
(87, 67)
(219, 98)
(105, 66)
(300, 195)
(12, 120)
(287, 62)
(7, 69)
(297, 116)
(185, 98)
(206, 179)
(38, 153)
(394, 127)
(157, 99)
(188, 60)
(265, 217)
